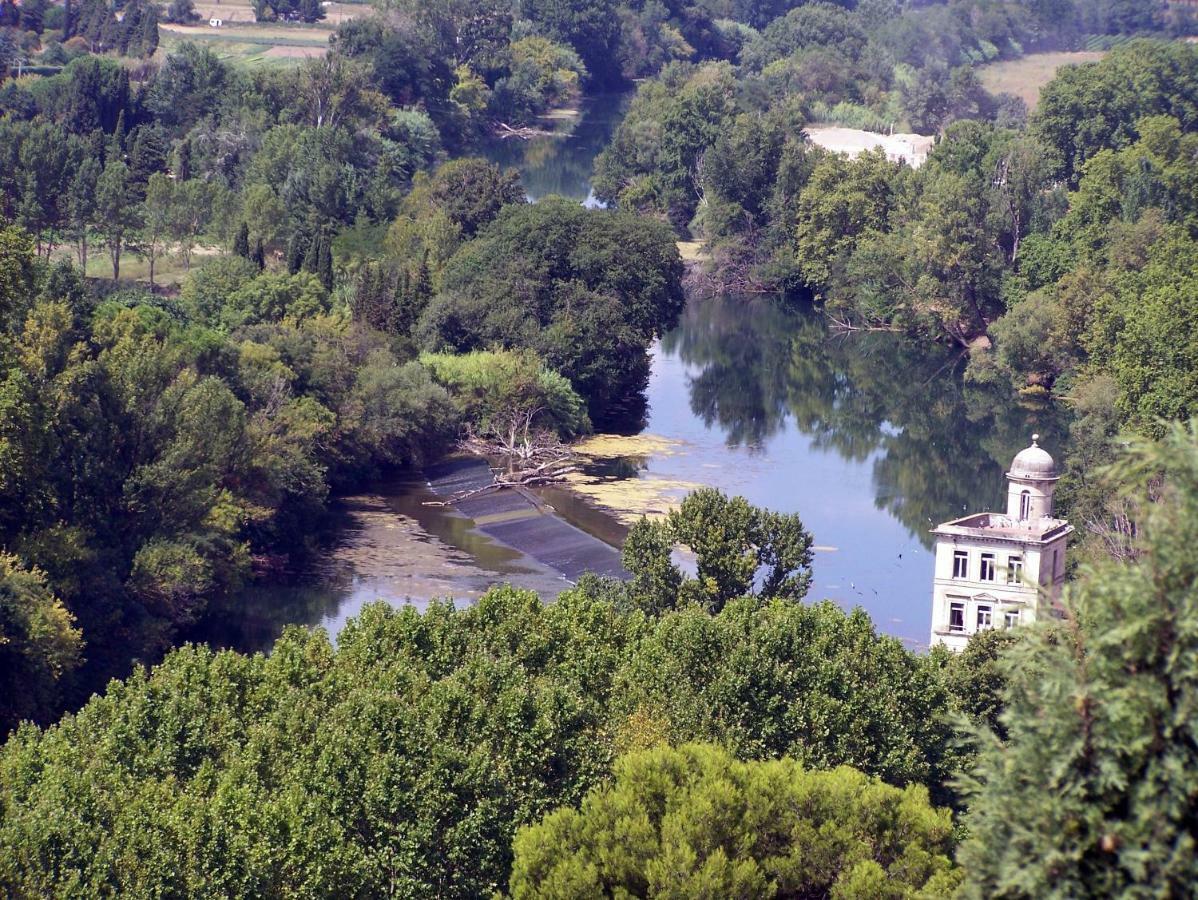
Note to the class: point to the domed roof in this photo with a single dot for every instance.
(1033, 462)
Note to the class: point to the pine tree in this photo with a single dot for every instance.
(241, 243)
(1093, 794)
(259, 255)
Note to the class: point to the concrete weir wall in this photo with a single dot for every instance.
(516, 519)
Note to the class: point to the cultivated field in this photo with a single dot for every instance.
(1026, 76)
(241, 39)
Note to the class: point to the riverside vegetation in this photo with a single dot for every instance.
(353, 289)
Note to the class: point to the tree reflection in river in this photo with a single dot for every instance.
(561, 163)
(939, 446)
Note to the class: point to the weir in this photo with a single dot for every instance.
(524, 523)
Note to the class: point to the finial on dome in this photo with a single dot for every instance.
(1035, 438)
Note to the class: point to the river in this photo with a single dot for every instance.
(869, 438)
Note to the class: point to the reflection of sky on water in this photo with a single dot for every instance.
(877, 563)
(870, 439)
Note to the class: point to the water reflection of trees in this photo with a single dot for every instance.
(939, 446)
(562, 164)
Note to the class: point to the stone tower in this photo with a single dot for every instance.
(1001, 570)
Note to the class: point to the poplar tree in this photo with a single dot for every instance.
(116, 210)
(81, 206)
(1093, 794)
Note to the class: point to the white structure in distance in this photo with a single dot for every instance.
(999, 571)
(912, 149)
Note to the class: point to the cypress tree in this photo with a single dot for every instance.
(312, 256)
(183, 161)
(116, 143)
(324, 263)
(401, 302)
(149, 31)
(241, 243)
(295, 254)
(422, 284)
(259, 255)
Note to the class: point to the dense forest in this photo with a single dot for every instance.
(230, 292)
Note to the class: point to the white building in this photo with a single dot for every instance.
(998, 571)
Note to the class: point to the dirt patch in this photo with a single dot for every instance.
(1026, 76)
(692, 251)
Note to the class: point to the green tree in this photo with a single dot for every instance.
(241, 243)
(81, 204)
(116, 211)
(469, 192)
(157, 214)
(38, 642)
(193, 212)
(733, 542)
(1096, 106)
(695, 822)
(843, 199)
(1091, 794)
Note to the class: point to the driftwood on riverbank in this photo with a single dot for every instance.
(523, 132)
(525, 457)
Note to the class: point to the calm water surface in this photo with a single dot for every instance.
(561, 163)
(871, 439)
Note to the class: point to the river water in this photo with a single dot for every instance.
(870, 438)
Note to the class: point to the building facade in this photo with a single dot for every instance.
(999, 570)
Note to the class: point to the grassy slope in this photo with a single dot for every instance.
(1026, 76)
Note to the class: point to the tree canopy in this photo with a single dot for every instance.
(693, 821)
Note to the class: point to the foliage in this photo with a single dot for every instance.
(488, 387)
(1091, 793)
(1097, 106)
(405, 759)
(586, 289)
(737, 547)
(145, 454)
(693, 821)
(38, 642)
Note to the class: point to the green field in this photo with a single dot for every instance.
(242, 40)
(1025, 77)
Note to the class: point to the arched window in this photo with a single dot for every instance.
(1025, 504)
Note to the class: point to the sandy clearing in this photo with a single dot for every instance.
(912, 149)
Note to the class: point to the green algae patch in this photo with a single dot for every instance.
(616, 446)
(614, 476)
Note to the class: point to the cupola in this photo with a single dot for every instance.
(1030, 483)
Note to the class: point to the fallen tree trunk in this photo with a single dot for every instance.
(523, 132)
